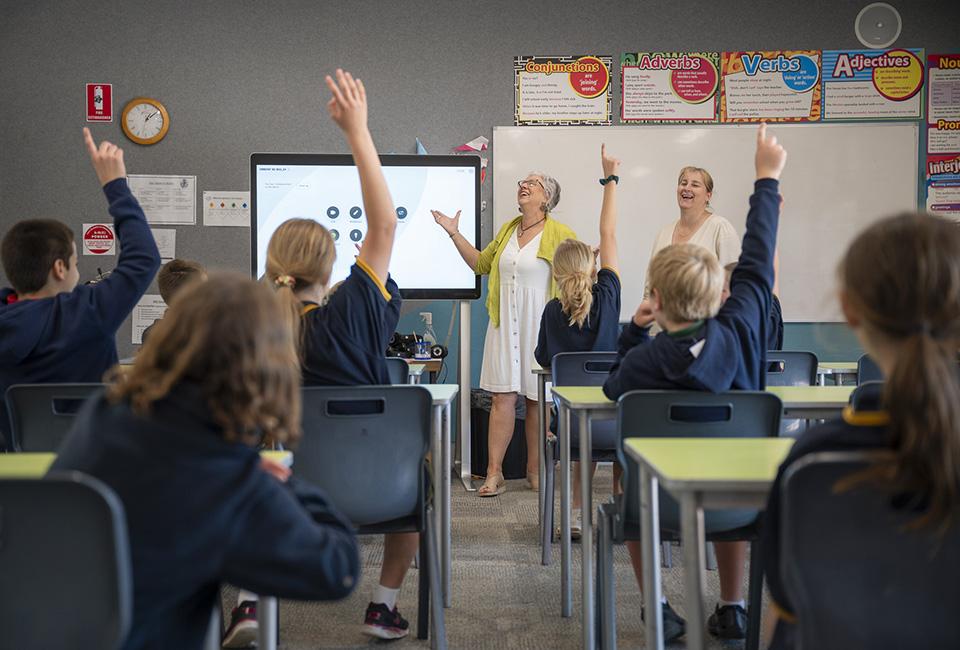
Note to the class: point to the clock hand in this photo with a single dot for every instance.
(151, 115)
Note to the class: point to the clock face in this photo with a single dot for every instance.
(145, 121)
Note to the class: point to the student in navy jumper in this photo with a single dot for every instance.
(586, 316)
(52, 330)
(702, 348)
(343, 341)
(900, 292)
(176, 439)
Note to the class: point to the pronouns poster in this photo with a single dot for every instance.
(669, 87)
(943, 104)
(943, 185)
(873, 85)
(770, 86)
(562, 90)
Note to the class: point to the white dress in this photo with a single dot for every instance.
(508, 350)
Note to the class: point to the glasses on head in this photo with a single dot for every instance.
(529, 184)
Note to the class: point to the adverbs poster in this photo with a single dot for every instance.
(943, 99)
(770, 86)
(669, 86)
(873, 85)
(562, 90)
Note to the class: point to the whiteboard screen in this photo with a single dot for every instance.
(838, 179)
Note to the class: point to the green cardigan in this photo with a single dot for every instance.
(554, 232)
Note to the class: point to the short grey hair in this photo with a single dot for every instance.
(551, 188)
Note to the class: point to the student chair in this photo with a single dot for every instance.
(65, 575)
(791, 368)
(399, 370)
(576, 369)
(868, 370)
(41, 414)
(872, 584)
(682, 414)
(349, 434)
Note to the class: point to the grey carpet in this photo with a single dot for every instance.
(502, 596)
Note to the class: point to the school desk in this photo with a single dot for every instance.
(702, 474)
(840, 371)
(543, 411)
(441, 445)
(812, 402)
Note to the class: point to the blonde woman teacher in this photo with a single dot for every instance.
(519, 261)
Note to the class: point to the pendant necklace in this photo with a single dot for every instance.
(521, 229)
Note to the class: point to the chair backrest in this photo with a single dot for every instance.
(791, 368)
(855, 577)
(868, 370)
(691, 414)
(399, 370)
(586, 369)
(41, 414)
(65, 576)
(365, 447)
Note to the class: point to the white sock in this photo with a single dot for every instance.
(247, 595)
(386, 596)
(727, 603)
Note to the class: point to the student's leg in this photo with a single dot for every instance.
(532, 431)
(575, 503)
(382, 619)
(731, 559)
(499, 434)
(399, 550)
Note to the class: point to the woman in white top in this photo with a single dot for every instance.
(697, 224)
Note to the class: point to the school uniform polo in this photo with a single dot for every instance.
(599, 332)
(862, 427)
(345, 340)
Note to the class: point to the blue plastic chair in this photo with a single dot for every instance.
(65, 575)
(791, 368)
(42, 414)
(868, 370)
(399, 370)
(870, 583)
(682, 414)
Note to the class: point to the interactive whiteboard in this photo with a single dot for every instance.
(838, 179)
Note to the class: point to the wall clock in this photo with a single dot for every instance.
(145, 120)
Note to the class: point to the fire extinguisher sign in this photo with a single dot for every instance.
(99, 102)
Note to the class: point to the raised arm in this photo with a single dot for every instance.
(609, 255)
(469, 254)
(348, 108)
(107, 159)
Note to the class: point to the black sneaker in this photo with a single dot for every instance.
(243, 626)
(674, 627)
(728, 622)
(383, 623)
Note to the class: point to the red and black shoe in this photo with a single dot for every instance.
(383, 623)
(243, 626)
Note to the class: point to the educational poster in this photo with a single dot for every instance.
(149, 308)
(166, 239)
(669, 87)
(166, 199)
(943, 104)
(779, 86)
(872, 84)
(562, 90)
(226, 209)
(943, 185)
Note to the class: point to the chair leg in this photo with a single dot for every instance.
(606, 612)
(666, 559)
(754, 596)
(268, 618)
(711, 558)
(547, 483)
(438, 631)
(423, 591)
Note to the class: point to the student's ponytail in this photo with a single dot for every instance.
(903, 277)
(573, 269)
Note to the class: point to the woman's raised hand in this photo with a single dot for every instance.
(610, 164)
(448, 224)
(771, 157)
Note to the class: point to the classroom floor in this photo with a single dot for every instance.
(502, 596)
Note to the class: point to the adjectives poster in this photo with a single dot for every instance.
(781, 86)
(562, 90)
(873, 85)
(669, 86)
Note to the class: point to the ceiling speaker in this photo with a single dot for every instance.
(878, 25)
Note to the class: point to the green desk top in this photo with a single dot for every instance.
(583, 397)
(837, 366)
(734, 460)
(441, 393)
(812, 395)
(25, 465)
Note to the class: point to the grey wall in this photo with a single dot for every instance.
(245, 76)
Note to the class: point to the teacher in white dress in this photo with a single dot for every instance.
(518, 261)
(697, 223)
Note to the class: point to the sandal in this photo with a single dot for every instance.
(493, 486)
(533, 481)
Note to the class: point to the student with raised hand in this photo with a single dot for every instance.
(900, 293)
(52, 329)
(586, 316)
(176, 438)
(344, 341)
(708, 347)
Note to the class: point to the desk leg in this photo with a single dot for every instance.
(650, 543)
(445, 485)
(691, 531)
(586, 539)
(566, 596)
(267, 610)
(436, 457)
(542, 446)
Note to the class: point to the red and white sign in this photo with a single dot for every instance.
(99, 102)
(99, 239)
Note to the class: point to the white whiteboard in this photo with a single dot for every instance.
(838, 178)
